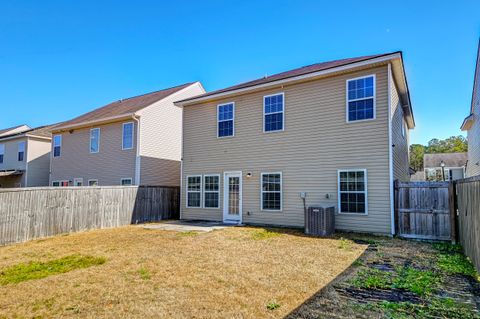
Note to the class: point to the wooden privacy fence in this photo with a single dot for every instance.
(468, 203)
(31, 213)
(424, 210)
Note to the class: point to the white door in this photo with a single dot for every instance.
(232, 197)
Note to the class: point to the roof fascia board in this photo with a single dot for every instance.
(104, 120)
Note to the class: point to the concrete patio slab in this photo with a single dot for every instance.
(186, 225)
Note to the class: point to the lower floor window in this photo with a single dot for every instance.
(211, 189)
(126, 181)
(272, 191)
(352, 191)
(194, 191)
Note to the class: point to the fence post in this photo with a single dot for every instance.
(452, 194)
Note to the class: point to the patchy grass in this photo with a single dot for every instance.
(372, 278)
(456, 264)
(345, 244)
(37, 270)
(188, 233)
(228, 273)
(420, 282)
(263, 234)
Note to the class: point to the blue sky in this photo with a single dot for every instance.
(59, 59)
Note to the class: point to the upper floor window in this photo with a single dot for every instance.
(94, 140)
(57, 145)
(21, 151)
(361, 98)
(2, 152)
(127, 136)
(352, 191)
(273, 112)
(225, 115)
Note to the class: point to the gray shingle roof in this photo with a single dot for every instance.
(450, 159)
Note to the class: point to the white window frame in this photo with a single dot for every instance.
(126, 179)
(283, 112)
(24, 151)
(92, 180)
(78, 179)
(187, 191)
(204, 192)
(374, 98)
(59, 146)
(262, 192)
(233, 119)
(364, 170)
(91, 131)
(123, 135)
(2, 153)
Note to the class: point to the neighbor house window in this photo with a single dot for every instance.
(56, 184)
(361, 98)
(194, 191)
(273, 112)
(60, 183)
(127, 136)
(2, 152)
(272, 191)
(93, 182)
(352, 191)
(57, 145)
(21, 151)
(94, 140)
(211, 191)
(78, 181)
(225, 118)
(126, 181)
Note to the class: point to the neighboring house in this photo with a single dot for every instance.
(334, 132)
(471, 124)
(444, 166)
(25, 157)
(132, 141)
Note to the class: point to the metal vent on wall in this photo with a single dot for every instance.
(320, 221)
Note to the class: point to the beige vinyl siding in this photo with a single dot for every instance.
(401, 170)
(473, 166)
(108, 166)
(10, 161)
(317, 142)
(38, 157)
(160, 139)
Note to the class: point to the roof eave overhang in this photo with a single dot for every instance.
(467, 123)
(100, 121)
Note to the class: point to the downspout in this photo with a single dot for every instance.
(181, 165)
(137, 158)
(390, 151)
(25, 155)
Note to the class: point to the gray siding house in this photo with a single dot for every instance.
(133, 141)
(333, 133)
(471, 125)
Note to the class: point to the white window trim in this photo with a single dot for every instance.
(233, 119)
(24, 151)
(92, 180)
(123, 135)
(262, 192)
(2, 152)
(91, 130)
(126, 179)
(374, 98)
(60, 145)
(283, 112)
(204, 191)
(187, 191)
(364, 170)
(78, 179)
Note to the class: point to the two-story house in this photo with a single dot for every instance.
(25, 157)
(132, 141)
(333, 133)
(471, 124)
(15, 129)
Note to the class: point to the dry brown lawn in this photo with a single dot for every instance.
(230, 273)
